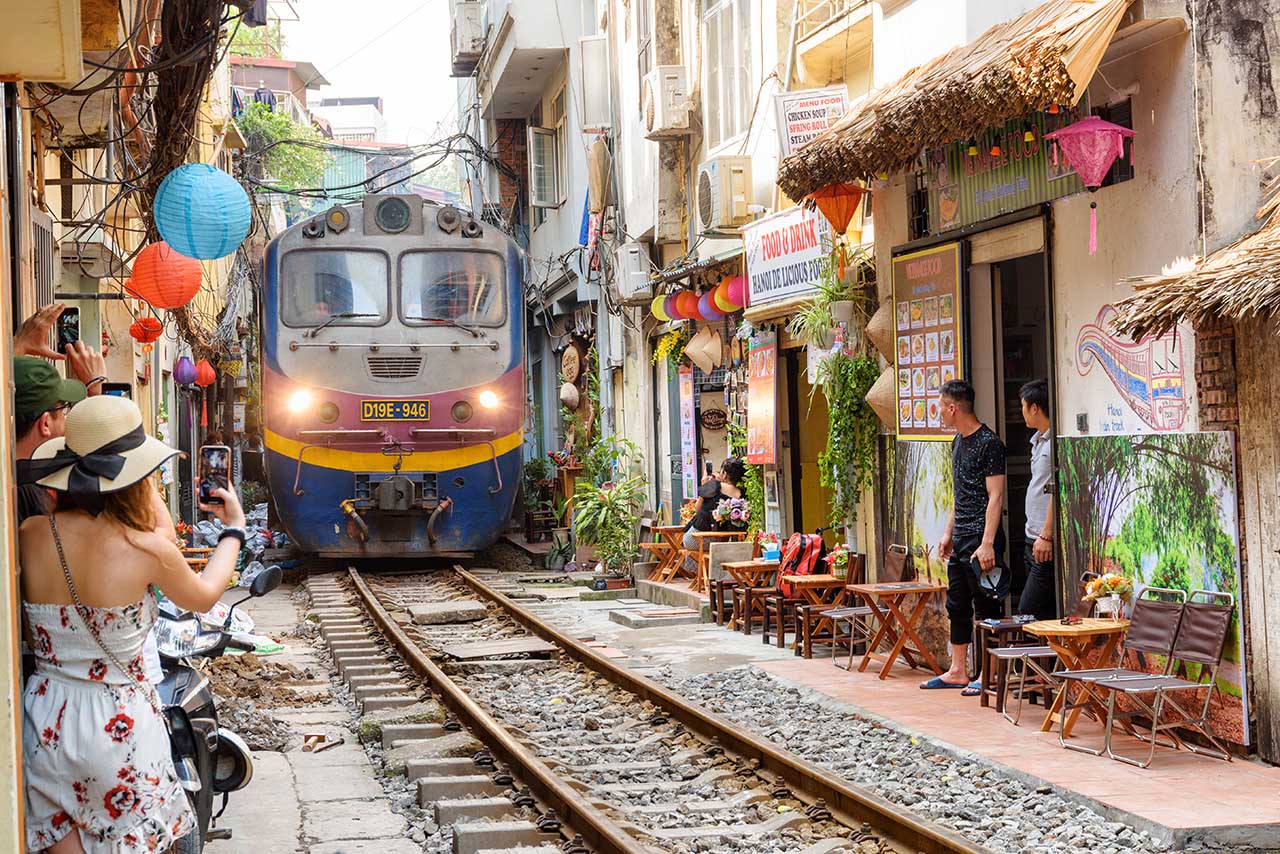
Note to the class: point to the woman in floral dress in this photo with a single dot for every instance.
(98, 772)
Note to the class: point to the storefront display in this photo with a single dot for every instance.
(928, 304)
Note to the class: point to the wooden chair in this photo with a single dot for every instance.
(779, 615)
(812, 623)
(701, 556)
(720, 588)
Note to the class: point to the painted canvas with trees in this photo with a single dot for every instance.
(1160, 509)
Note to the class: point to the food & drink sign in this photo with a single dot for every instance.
(927, 311)
(784, 254)
(762, 392)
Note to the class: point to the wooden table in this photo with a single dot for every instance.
(818, 589)
(1088, 643)
(703, 557)
(750, 573)
(666, 550)
(896, 623)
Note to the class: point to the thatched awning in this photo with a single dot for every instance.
(1239, 281)
(1047, 56)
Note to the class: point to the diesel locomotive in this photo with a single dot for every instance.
(393, 379)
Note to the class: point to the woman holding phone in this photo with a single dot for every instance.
(98, 772)
(725, 484)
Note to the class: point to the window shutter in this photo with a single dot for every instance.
(543, 168)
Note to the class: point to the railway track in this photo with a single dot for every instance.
(626, 765)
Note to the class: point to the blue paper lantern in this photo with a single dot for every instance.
(202, 212)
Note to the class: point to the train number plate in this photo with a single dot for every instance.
(395, 410)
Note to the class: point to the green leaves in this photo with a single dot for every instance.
(848, 463)
(606, 518)
(271, 137)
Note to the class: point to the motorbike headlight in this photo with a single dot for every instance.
(181, 638)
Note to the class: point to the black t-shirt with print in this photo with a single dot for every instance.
(974, 458)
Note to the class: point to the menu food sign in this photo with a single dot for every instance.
(804, 116)
(927, 306)
(762, 389)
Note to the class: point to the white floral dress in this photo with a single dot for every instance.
(95, 751)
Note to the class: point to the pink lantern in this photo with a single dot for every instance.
(1091, 145)
(669, 306)
(707, 307)
(738, 291)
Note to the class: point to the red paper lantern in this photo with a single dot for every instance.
(839, 202)
(205, 374)
(144, 330)
(164, 278)
(687, 305)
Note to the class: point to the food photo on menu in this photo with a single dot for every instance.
(918, 413)
(917, 314)
(904, 314)
(933, 378)
(904, 350)
(904, 382)
(931, 347)
(931, 311)
(917, 350)
(947, 343)
(935, 413)
(946, 308)
(917, 381)
(948, 373)
(904, 413)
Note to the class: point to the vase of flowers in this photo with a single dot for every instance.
(732, 513)
(184, 534)
(688, 510)
(838, 561)
(1110, 593)
(769, 549)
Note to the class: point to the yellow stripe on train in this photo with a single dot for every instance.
(443, 460)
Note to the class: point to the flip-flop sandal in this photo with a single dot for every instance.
(936, 683)
(973, 689)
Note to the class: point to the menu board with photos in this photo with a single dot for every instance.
(927, 313)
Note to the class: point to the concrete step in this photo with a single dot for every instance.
(432, 789)
(473, 837)
(635, 618)
(452, 811)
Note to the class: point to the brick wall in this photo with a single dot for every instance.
(511, 148)
(1219, 404)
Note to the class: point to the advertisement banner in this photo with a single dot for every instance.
(803, 116)
(688, 436)
(784, 254)
(762, 395)
(927, 304)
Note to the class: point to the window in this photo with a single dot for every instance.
(1120, 114)
(917, 205)
(464, 287)
(644, 36)
(548, 149)
(341, 286)
(727, 37)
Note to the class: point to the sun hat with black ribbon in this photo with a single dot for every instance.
(104, 450)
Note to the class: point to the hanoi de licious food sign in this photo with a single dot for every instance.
(927, 306)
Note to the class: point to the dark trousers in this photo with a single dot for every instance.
(1038, 594)
(964, 597)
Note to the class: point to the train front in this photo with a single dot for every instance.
(392, 389)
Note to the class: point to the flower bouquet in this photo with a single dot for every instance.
(732, 513)
(688, 510)
(184, 534)
(1108, 591)
(838, 561)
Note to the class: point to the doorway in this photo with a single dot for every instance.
(1022, 354)
(807, 424)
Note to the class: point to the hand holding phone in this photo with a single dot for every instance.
(215, 472)
(68, 328)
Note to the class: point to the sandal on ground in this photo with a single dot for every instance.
(973, 689)
(936, 683)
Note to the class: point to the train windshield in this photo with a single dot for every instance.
(333, 287)
(452, 287)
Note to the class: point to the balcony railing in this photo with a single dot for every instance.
(813, 15)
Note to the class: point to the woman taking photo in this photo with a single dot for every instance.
(722, 486)
(97, 765)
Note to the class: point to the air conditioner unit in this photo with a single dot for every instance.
(664, 102)
(466, 36)
(631, 272)
(724, 192)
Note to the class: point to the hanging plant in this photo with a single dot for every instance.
(752, 479)
(848, 463)
(671, 347)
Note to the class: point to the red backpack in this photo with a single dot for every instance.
(800, 556)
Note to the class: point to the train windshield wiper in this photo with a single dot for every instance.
(447, 322)
(342, 315)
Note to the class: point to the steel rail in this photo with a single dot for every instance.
(600, 832)
(842, 797)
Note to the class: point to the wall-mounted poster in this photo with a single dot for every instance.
(929, 330)
(762, 390)
(803, 116)
(688, 435)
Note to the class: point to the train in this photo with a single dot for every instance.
(393, 392)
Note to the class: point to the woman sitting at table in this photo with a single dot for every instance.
(724, 485)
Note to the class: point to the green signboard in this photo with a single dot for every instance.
(965, 188)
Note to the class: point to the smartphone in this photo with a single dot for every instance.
(708, 468)
(118, 390)
(68, 328)
(215, 472)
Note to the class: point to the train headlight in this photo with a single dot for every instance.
(300, 401)
(461, 412)
(328, 412)
(488, 399)
(392, 215)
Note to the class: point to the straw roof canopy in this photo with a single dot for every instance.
(1238, 281)
(1046, 56)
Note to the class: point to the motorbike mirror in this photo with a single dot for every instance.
(266, 581)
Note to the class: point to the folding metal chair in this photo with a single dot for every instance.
(1153, 630)
(1030, 658)
(1202, 639)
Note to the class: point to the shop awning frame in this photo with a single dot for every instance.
(1046, 56)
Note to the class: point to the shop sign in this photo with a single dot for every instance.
(762, 393)
(785, 253)
(965, 188)
(237, 417)
(803, 116)
(927, 303)
(688, 435)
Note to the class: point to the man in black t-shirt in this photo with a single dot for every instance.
(973, 544)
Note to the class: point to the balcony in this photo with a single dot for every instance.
(526, 49)
(833, 42)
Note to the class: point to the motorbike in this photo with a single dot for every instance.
(209, 759)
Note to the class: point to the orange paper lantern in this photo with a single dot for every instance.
(838, 203)
(144, 330)
(687, 304)
(205, 374)
(163, 278)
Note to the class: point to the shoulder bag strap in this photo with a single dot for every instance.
(81, 610)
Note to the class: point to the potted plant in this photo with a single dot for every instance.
(606, 519)
(1111, 592)
(769, 548)
(838, 561)
(561, 549)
